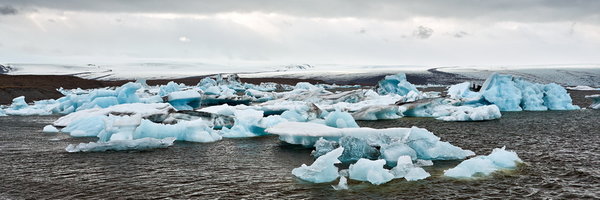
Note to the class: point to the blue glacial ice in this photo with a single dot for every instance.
(557, 98)
(122, 145)
(395, 84)
(247, 124)
(370, 170)
(426, 145)
(462, 91)
(322, 170)
(192, 131)
(340, 119)
(499, 159)
(377, 112)
(86, 127)
(165, 90)
(596, 101)
(185, 100)
(499, 89)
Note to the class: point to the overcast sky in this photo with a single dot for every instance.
(395, 32)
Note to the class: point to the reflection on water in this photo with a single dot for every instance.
(560, 148)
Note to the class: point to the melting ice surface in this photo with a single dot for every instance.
(499, 159)
(122, 145)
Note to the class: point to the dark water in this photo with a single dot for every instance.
(560, 148)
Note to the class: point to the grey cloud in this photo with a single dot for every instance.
(460, 34)
(8, 10)
(423, 32)
(516, 10)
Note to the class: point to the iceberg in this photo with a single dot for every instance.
(121, 145)
(467, 113)
(500, 90)
(246, 124)
(86, 127)
(463, 91)
(20, 107)
(499, 159)
(185, 100)
(395, 84)
(426, 145)
(582, 87)
(377, 112)
(596, 101)
(407, 170)
(192, 131)
(370, 170)
(50, 129)
(165, 90)
(533, 94)
(322, 170)
(557, 98)
(155, 111)
(340, 119)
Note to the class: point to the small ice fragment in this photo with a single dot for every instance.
(342, 185)
(322, 170)
(50, 129)
(370, 170)
(122, 145)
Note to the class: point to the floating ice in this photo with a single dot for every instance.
(500, 90)
(467, 113)
(462, 91)
(395, 84)
(86, 126)
(246, 124)
(122, 145)
(20, 107)
(596, 101)
(126, 93)
(557, 98)
(582, 87)
(499, 159)
(184, 100)
(370, 170)
(377, 112)
(342, 185)
(407, 170)
(426, 145)
(340, 119)
(50, 129)
(192, 131)
(165, 90)
(322, 170)
(155, 111)
(533, 94)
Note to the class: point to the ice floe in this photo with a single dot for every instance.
(499, 159)
(122, 145)
(322, 170)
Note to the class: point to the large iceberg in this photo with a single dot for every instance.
(426, 145)
(246, 124)
(500, 90)
(499, 159)
(322, 170)
(395, 84)
(122, 145)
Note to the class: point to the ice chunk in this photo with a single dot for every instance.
(391, 152)
(122, 145)
(533, 94)
(340, 119)
(582, 87)
(557, 98)
(155, 110)
(407, 170)
(18, 103)
(467, 113)
(395, 84)
(484, 165)
(246, 124)
(462, 91)
(322, 170)
(596, 101)
(165, 90)
(342, 185)
(126, 93)
(355, 149)
(370, 170)
(424, 143)
(20, 107)
(185, 100)
(99, 102)
(86, 127)
(323, 146)
(192, 131)
(500, 90)
(50, 129)
(377, 112)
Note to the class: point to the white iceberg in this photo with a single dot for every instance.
(340, 119)
(462, 91)
(50, 129)
(155, 110)
(499, 159)
(122, 145)
(377, 112)
(322, 170)
(370, 170)
(467, 113)
(407, 170)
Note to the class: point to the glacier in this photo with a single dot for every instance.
(499, 159)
